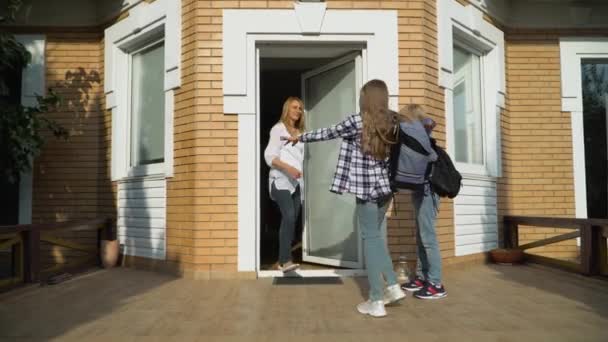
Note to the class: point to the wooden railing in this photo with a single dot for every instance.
(14, 243)
(25, 242)
(593, 235)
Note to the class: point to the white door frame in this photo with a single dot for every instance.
(572, 51)
(329, 271)
(243, 30)
(32, 84)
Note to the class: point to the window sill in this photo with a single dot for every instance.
(150, 170)
(472, 171)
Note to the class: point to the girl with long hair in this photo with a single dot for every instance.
(363, 170)
(285, 176)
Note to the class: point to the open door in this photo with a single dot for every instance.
(331, 231)
(595, 122)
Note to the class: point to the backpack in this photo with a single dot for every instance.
(410, 157)
(445, 180)
(416, 159)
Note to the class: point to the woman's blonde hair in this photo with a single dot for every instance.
(411, 112)
(300, 123)
(379, 123)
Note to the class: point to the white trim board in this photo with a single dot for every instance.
(243, 30)
(572, 52)
(299, 273)
(161, 18)
(32, 84)
(478, 207)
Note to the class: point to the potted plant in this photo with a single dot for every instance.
(507, 256)
(110, 251)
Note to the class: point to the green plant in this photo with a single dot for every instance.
(21, 135)
(21, 128)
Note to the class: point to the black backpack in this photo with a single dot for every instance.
(445, 180)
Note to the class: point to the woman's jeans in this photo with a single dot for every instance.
(428, 266)
(377, 259)
(290, 205)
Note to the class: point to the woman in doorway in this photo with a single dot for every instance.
(363, 171)
(285, 176)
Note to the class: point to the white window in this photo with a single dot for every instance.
(467, 104)
(147, 110)
(142, 70)
(472, 72)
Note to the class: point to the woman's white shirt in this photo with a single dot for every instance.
(292, 155)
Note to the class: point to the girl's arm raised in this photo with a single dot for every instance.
(346, 129)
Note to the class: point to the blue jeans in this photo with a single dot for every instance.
(377, 259)
(290, 205)
(428, 266)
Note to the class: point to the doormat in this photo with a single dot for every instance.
(307, 281)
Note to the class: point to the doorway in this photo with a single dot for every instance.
(595, 119)
(326, 239)
(10, 95)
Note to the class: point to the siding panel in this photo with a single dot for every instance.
(476, 217)
(142, 217)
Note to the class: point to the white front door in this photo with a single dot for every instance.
(331, 232)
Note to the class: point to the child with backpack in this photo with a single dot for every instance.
(362, 170)
(417, 152)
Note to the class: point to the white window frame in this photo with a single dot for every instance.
(465, 25)
(573, 50)
(32, 84)
(146, 21)
(146, 169)
(472, 168)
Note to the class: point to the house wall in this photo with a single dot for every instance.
(202, 197)
(537, 146)
(70, 180)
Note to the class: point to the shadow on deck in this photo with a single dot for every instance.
(485, 303)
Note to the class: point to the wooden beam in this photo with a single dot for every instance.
(68, 244)
(601, 246)
(9, 282)
(69, 225)
(562, 264)
(589, 251)
(511, 234)
(31, 253)
(551, 240)
(604, 232)
(555, 222)
(8, 243)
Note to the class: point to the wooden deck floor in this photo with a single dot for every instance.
(485, 303)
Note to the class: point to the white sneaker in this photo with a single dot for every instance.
(288, 267)
(393, 294)
(375, 308)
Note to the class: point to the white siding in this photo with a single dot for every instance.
(142, 208)
(476, 221)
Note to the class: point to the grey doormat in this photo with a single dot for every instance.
(307, 281)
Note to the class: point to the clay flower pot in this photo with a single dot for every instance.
(507, 256)
(109, 253)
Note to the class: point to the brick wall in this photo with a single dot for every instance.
(202, 197)
(70, 177)
(537, 137)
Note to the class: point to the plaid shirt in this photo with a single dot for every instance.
(357, 173)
